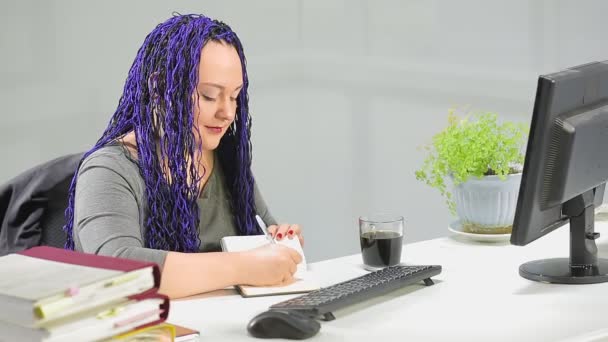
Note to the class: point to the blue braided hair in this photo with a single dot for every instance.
(156, 105)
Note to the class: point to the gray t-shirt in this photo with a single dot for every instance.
(110, 208)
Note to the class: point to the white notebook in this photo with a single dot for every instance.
(305, 281)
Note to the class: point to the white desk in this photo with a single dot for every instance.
(479, 296)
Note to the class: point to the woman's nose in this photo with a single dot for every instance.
(226, 110)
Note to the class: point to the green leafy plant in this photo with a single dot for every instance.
(474, 146)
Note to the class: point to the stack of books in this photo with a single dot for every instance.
(51, 295)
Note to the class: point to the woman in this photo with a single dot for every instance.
(171, 174)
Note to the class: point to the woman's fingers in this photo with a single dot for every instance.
(294, 230)
(272, 230)
(285, 230)
(282, 231)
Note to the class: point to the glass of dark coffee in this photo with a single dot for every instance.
(381, 237)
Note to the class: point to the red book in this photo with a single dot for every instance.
(42, 286)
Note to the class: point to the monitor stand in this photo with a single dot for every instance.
(583, 266)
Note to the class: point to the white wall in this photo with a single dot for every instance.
(342, 92)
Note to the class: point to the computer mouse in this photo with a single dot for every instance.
(283, 324)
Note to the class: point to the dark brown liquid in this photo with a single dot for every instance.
(381, 248)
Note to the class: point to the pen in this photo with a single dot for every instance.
(264, 229)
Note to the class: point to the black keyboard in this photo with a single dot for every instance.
(324, 301)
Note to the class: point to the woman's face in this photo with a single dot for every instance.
(220, 81)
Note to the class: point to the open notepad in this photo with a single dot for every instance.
(305, 281)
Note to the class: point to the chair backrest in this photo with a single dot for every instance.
(53, 219)
(32, 205)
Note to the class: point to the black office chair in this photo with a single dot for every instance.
(32, 205)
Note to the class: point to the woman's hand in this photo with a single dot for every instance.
(271, 264)
(286, 230)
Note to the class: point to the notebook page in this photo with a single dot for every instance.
(305, 284)
(304, 280)
(23, 275)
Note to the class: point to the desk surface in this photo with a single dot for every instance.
(479, 296)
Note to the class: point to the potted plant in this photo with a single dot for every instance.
(481, 161)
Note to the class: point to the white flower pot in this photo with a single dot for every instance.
(487, 203)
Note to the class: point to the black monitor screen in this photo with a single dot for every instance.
(566, 165)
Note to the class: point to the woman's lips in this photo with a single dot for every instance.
(214, 129)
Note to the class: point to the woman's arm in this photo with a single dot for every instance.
(107, 222)
(187, 274)
(107, 206)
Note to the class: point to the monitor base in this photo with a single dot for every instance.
(559, 271)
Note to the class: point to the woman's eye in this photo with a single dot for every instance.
(233, 99)
(207, 97)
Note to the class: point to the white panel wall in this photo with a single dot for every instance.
(342, 92)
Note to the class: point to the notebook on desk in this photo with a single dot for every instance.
(304, 280)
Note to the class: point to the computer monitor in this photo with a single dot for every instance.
(565, 172)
